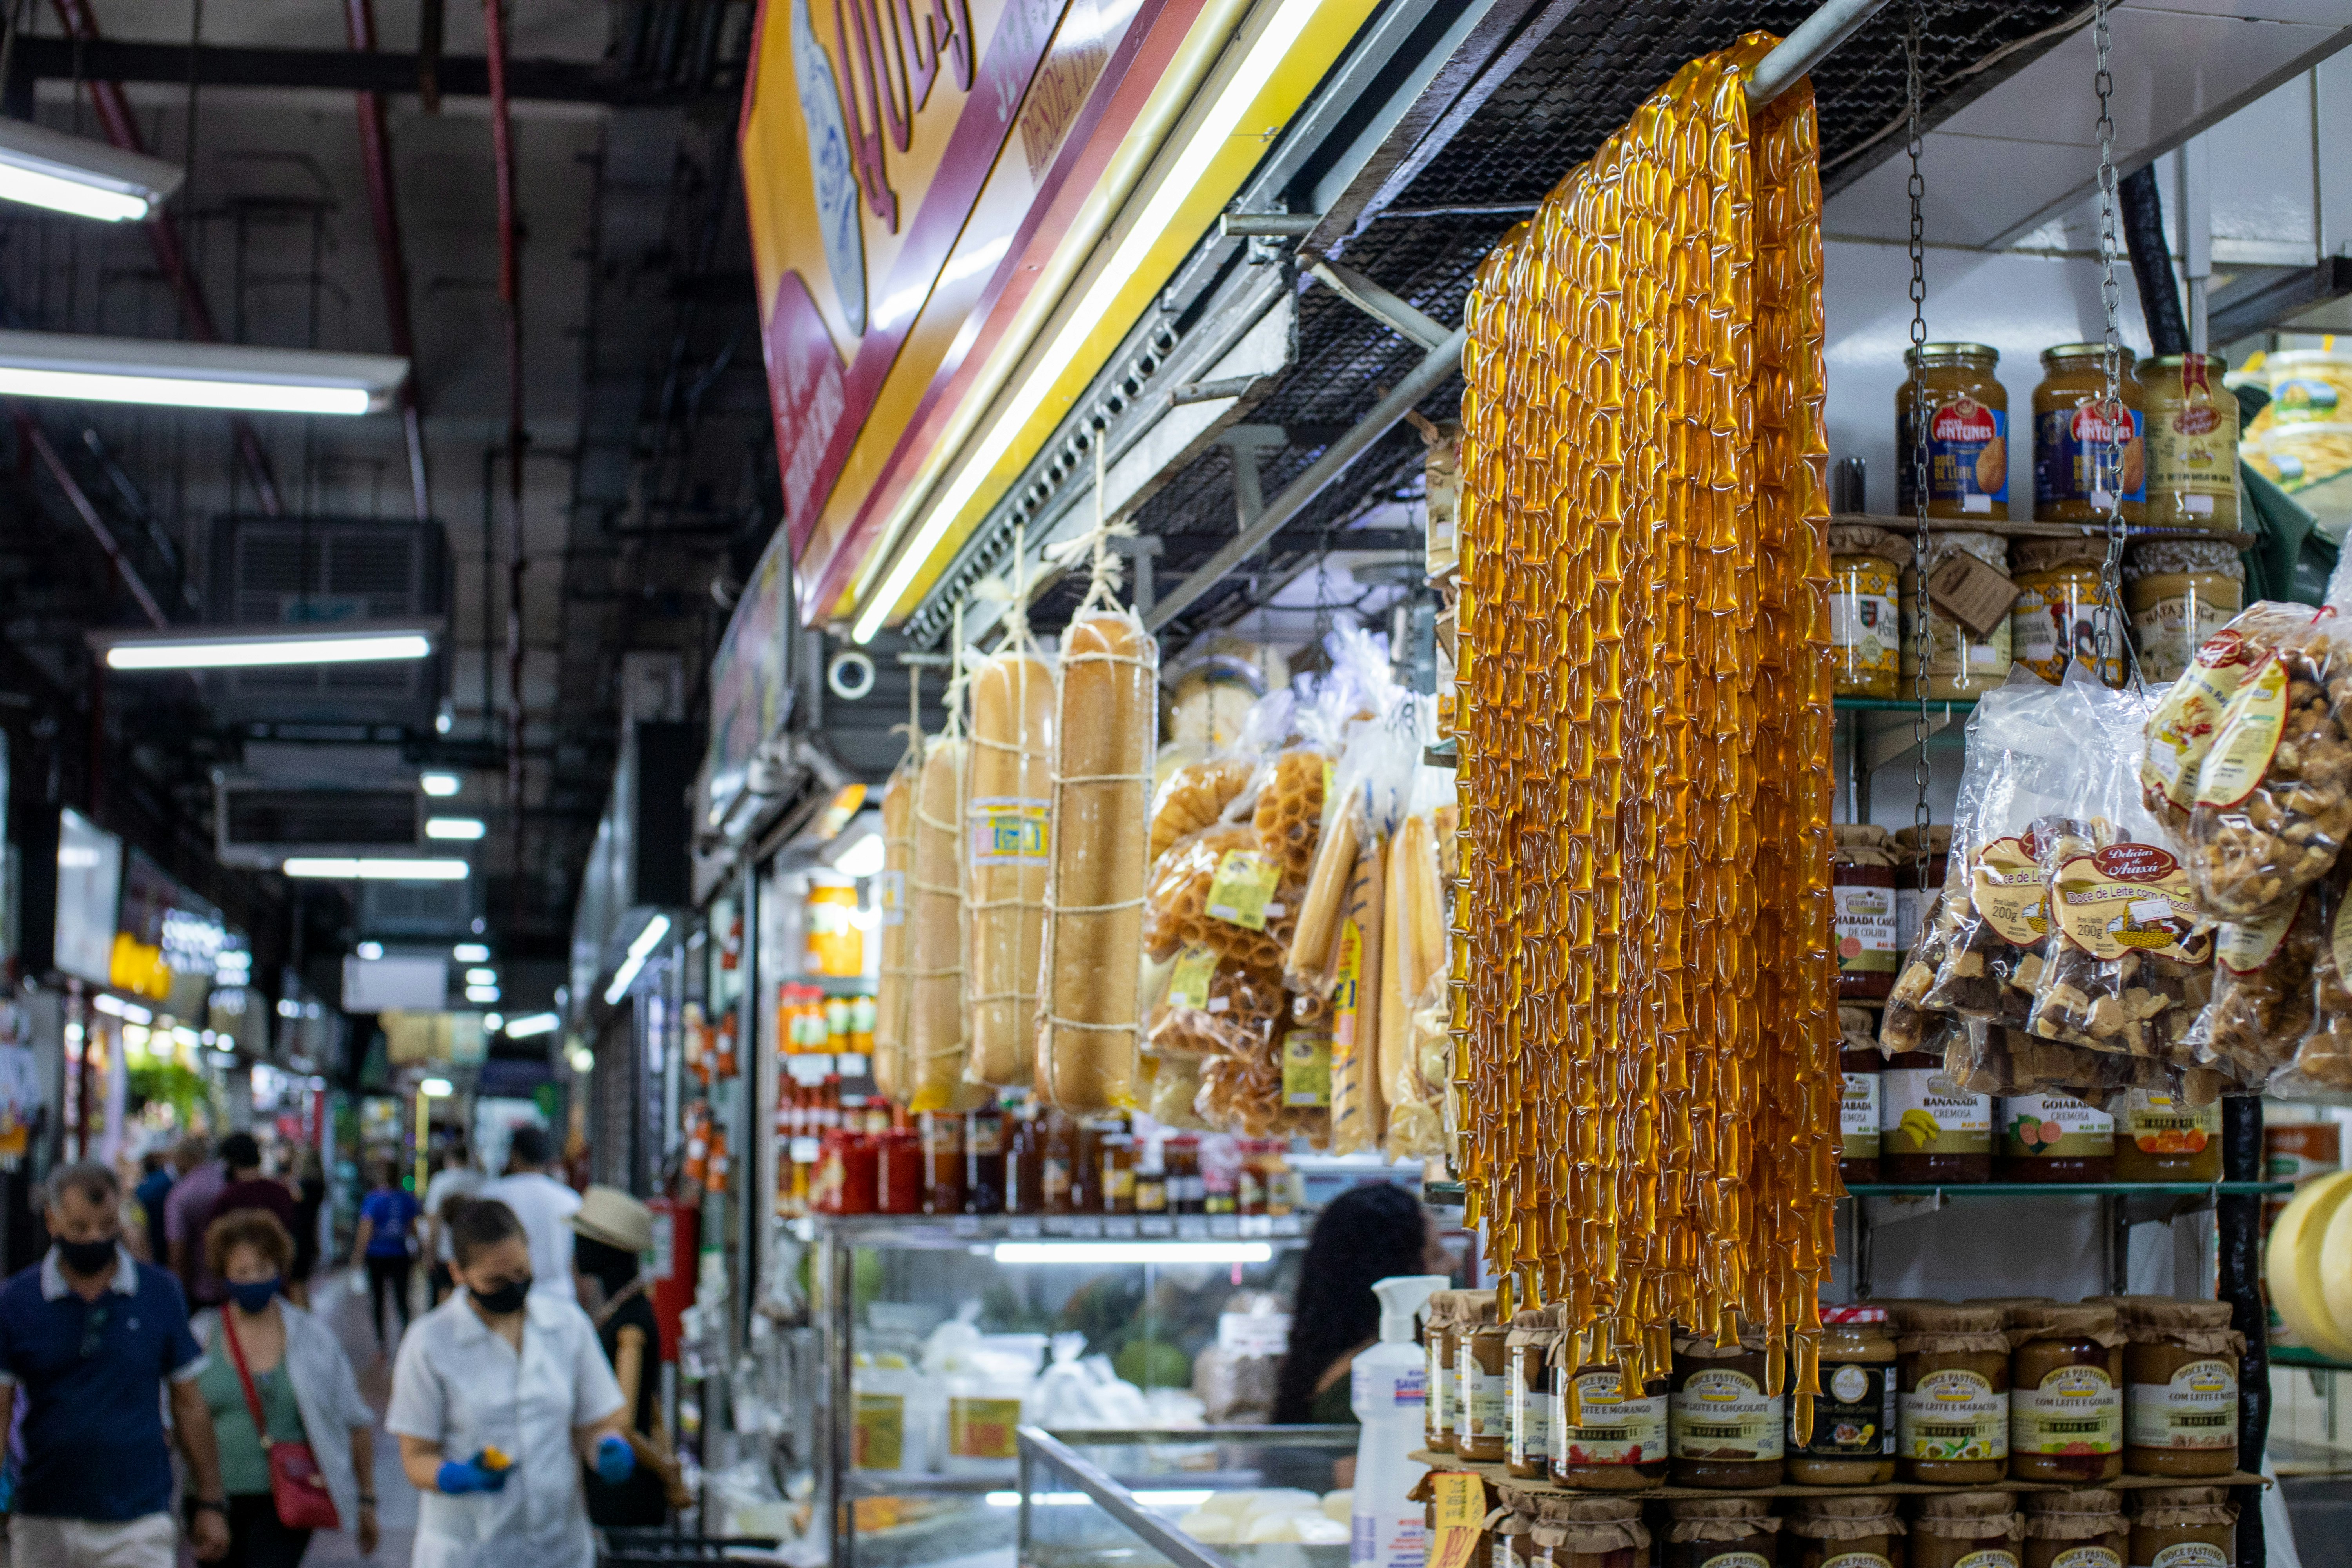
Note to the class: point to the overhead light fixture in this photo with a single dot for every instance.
(470, 952)
(370, 951)
(129, 1011)
(863, 859)
(583, 1059)
(1211, 137)
(46, 168)
(531, 1024)
(229, 376)
(187, 649)
(436, 1089)
(338, 869)
(1133, 1251)
(626, 975)
(440, 785)
(492, 1022)
(460, 827)
(481, 977)
(479, 993)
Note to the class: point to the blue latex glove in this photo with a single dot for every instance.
(457, 1479)
(615, 1461)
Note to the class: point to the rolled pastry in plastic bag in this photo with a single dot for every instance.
(893, 990)
(1195, 796)
(1218, 889)
(1090, 1005)
(1358, 1117)
(1007, 808)
(936, 1043)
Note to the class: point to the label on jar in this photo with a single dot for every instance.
(2167, 630)
(1854, 1415)
(1531, 1420)
(1856, 1560)
(983, 1428)
(1865, 618)
(2247, 737)
(2080, 455)
(2198, 1409)
(986, 1135)
(2007, 888)
(2128, 897)
(1506, 1553)
(1736, 1560)
(1718, 1414)
(1968, 456)
(2158, 1123)
(879, 1440)
(2072, 1410)
(1858, 1116)
(2055, 1127)
(1609, 1429)
(1485, 1409)
(1864, 926)
(2189, 1554)
(2088, 1557)
(2194, 449)
(1953, 652)
(2242, 947)
(2181, 732)
(1441, 1387)
(2059, 619)
(1915, 1120)
(1987, 1557)
(1954, 1414)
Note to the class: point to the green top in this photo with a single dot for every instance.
(244, 1469)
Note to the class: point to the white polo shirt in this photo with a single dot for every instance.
(543, 1203)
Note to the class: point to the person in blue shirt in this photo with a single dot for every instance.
(88, 1338)
(382, 1246)
(155, 1178)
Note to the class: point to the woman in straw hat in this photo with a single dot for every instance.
(612, 1233)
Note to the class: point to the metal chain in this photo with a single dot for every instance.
(2115, 418)
(1914, 43)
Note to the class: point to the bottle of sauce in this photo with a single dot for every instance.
(1024, 1163)
(1437, 1345)
(2160, 1137)
(2065, 1393)
(1966, 414)
(1843, 1532)
(1590, 1532)
(2184, 1527)
(1723, 1430)
(1966, 1530)
(898, 1164)
(1482, 1429)
(1853, 1439)
(1086, 1164)
(2054, 1137)
(1951, 1394)
(983, 1161)
(2075, 1529)
(1721, 1532)
(1534, 1332)
(1859, 1066)
(1057, 1165)
(1187, 1191)
(2180, 1387)
(1926, 1136)
(1602, 1441)
(1116, 1160)
(1151, 1181)
(941, 1134)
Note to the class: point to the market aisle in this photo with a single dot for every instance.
(341, 1299)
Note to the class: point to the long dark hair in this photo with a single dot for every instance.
(1367, 1233)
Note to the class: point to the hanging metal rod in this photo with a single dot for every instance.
(1807, 46)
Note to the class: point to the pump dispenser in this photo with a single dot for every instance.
(1387, 1388)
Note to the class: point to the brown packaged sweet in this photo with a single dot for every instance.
(2262, 1001)
(2323, 1058)
(2187, 717)
(2274, 793)
(1994, 954)
(1193, 796)
(2127, 966)
(1907, 1023)
(1987, 1058)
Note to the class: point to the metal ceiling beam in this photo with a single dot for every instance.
(391, 261)
(30, 432)
(335, 70)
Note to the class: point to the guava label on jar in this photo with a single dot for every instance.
(2187, 716)
(1486, 1403)
(2158, 1123)
(2242, 947)
(2246, 738)
(2082, 455)
(2072, 1410)
(1954, 1414)
(1854, 1415)
(1913, 1119)
(2055, 1127)
(1863, 924)
(1968, 456)
(1610, 1429)
(1530, 1423)
(1864, 618)
(1718, 1414)
(2007, 888)
(2088, 1557)
(1858, 1116)
(2127, 898)
(1987, 1557)
(2189, 1554)
(2197, 1408)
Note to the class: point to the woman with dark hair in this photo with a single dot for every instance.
(1366, 1234)
(496, 1381)
(611, 1236)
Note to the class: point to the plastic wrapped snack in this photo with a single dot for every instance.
(1987, 1058)
(1357, 1117)
(2274, 791)
(2128, 965)
(1906, 1024)
(1218, 889)
(936, 1043)
(2188, 713)
(1288, 816)
(1090, 1003)
(1213, 1004)
(892, 988)
(1173, 1087)
(1007, 801)
(1246, 1091)
(2323, 1058)
(2263, 1004)
(1195, 796)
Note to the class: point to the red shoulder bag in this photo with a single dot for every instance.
(295, 1483)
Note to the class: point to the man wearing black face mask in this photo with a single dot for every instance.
(90, 1332)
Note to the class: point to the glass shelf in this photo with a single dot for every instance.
(1450, 1194)
(2298, 1355)
(1899, 704)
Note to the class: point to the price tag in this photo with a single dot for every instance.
(1460, 1510)
(1974, 592)
(1188, 983)
(1242, 889)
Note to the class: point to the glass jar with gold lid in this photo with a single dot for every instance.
(2058, 614)
(2084, 457)
(1865, 619)
(2192, 442)
(2178, 592)
(1966, 416)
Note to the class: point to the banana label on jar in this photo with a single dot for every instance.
(2128, 897)
(1968, 456)
(1718, 1414)
(1913, 1119)
(1954, 1414)
(2196, 1408)
(2187, 716)
(2074, 1410)
(1858, 1117)
(1609, 1429)
(2007, 888)
(2246, 738)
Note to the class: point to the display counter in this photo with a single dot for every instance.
(1192, 1499)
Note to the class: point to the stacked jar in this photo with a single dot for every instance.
(2178, 592)
(1866, 622)
(1862, 894)
(1852, 1440)
(1482, 1403)
(2065, 1393)
(2052, 1136)
(1951, 410)
(1962, 664)
(2160, 1136)
(1534, 1331)
(1721, 1532)
(1437, 1346)
(2075, 1529)
(2085, 459)
(2184, 1527)
(1966, 1530)
(2181, 1386)
(1914, 888)
(1589, 1532)
(1843, 1532)
(1951, 1405)
(2192, 442)
(1859, 1068)
(1724, 1429)
(2058, 614)
(1606, 1438)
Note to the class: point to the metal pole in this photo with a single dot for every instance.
(1807, 46)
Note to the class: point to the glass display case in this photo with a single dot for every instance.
(1220, 1496)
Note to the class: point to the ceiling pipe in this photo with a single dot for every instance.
(510, 294)
(122, 130)
(30, 433)
(391, 261)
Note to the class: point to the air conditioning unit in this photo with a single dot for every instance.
(291, 800)
(436, 911)
(318, 570)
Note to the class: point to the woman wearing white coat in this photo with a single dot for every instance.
(497, 1373)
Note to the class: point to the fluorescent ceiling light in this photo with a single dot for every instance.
(336, 868)
(1133, 1251)
(481, 977)
(248, 649)
(46, 168)
(492, 1022)
(463, 827)
(369, 950)
(481, 992)
(470, 952)
(1211, 136)
(436, 1089)
(196, 376)
(130, 1011)
(440, 785)
(531, 1024)
(626, 976)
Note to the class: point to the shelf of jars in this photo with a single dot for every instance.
(1500, 1476)
(1450, 1194)
(2238, 539)
(918, 1232)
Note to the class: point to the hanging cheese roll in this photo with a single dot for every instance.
(935, 1017)
(893, 991)
(1007, 802)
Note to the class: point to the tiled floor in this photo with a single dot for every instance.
(341, 1299)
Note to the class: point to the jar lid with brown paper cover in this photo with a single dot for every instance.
(2165, 1508)
(1971, 1516)
(2072, 1516)
(2056, 554)
(2092, 1320)
(1948, 1326)
(1844, 1518)
(1719, 1519)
